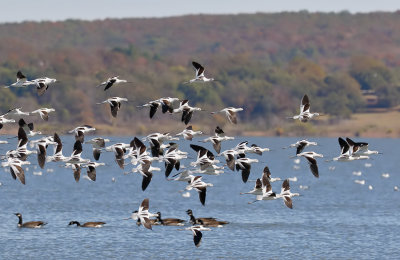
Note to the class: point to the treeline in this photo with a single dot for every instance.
(262, 62)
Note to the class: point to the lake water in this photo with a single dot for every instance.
(334, 218)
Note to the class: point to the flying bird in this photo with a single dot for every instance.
(230, 113)
(21, 81)
(80, 132)
(42, 84)
(199, 76)
(112, 81)
(115, 104)
(305, 113)
(44, 113)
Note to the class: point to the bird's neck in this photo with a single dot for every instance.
(20, 221)
(159, 219)
(192, 219)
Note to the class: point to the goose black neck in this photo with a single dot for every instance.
(76, 222)
(159, 219)
(192, 219)
(20, 221)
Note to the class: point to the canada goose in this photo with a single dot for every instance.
(207, 222)
(30, 224)
(87, 224)
(170, 221)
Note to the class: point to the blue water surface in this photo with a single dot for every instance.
(334, 218)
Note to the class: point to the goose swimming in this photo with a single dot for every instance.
(30, 224)
(169, 221)
(207, 222)
(88, 224)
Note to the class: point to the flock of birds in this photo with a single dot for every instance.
(161, 148)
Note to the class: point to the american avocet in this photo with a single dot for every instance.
(305, 113)
(267, 173)
(115, 104)
(119, 150)
(172, 160)
(42, 150)
(300, 145)
(16, 169)
(257, 149)
(199, 76)
(197, 235)
(153, 107)
(21, 81)
(188, 133)
(98, 143)
(42, 84)
(268, 194)
(75, 157)
(201, 187)
(91, 169)
(359, 148)
(230, 113)
(216, 141)
(57, 156)
(230, 156)
(21, 152)
(205, 158)
(166, 104)
(185, 176)
(345, 153)
(244, 164)
(23, 124)
(20, 113)
(143, 214)
(156, 140)
(187, 111)
(310, 156)
(257, 188)
(43, 112)
(98, 224)
(80, 132)
(4, 120)
(112, 81)
(30, 224)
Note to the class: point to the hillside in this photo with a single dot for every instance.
(267, 61)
